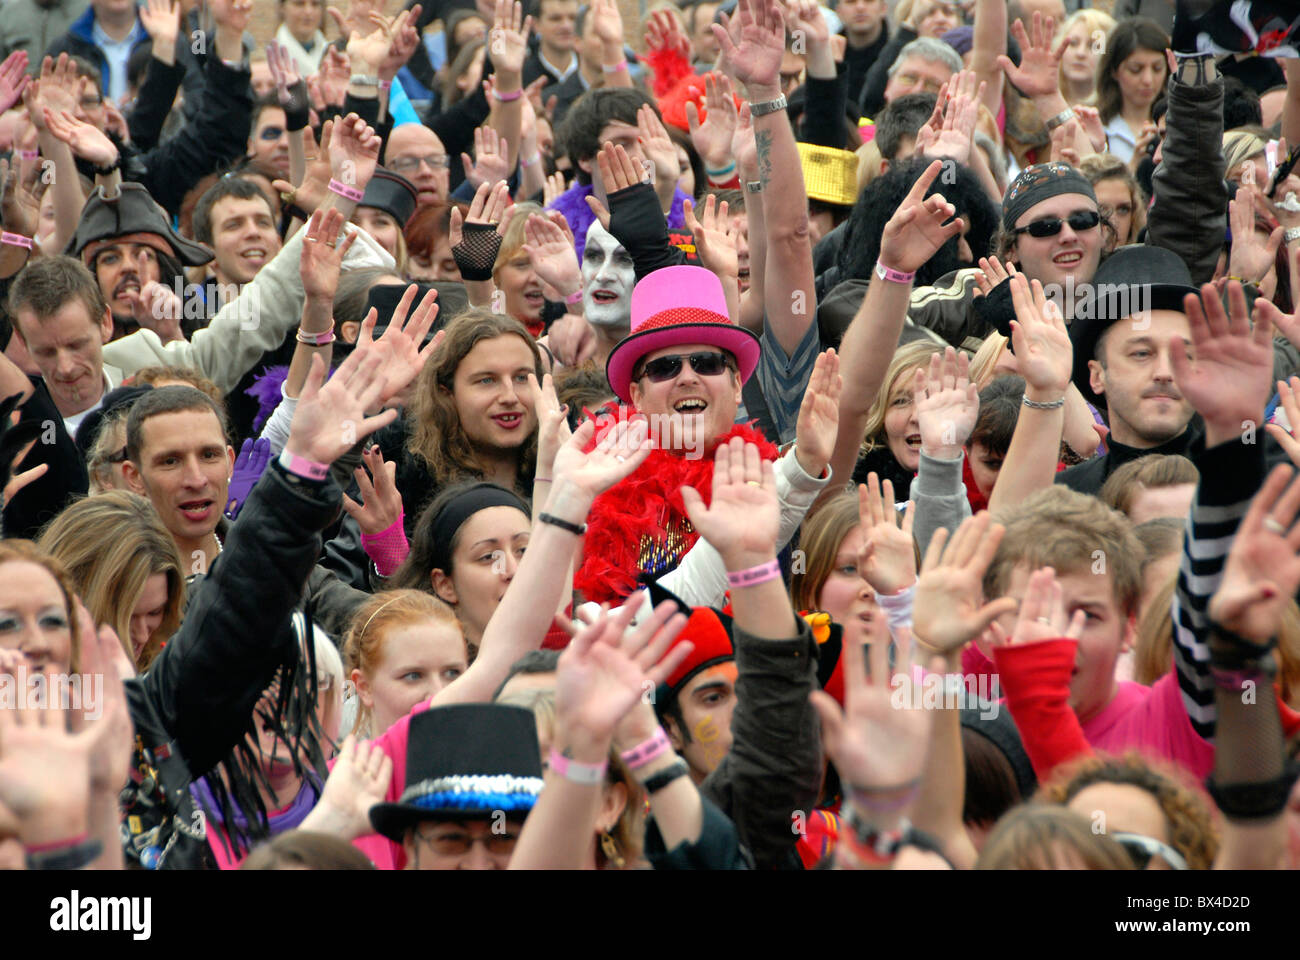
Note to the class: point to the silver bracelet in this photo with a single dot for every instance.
(763, 108)
(1292, 234)
(1039, 405)
(1064, 117)
(754, 186)
(363, 80)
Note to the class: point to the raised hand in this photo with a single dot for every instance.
(819, 415)
(919, 227)
(712, 139)
(353, 151)
(1044, 354)
(618, 171)
(382, 506)
(405, 38)
(887, 560)
(331, 419)
(1253, 257)
(161, 19)
(473, 242)
(948, 610)
(662, 32)
(491, 160)
(743, 145)
(322, 254)
(620, 451)
(603, 673)
(284, 71)
(254, 455)
(553, 187)
(1263, 569)
(743, 518)
(87, 142)
(402, 343)
(1090, 122)
(57, 90)
(1042, 614)
(359, 780)
(553, 257)
(13, 79)
(876, 746)
(314, 188)
(156, 307)
(1230, 379)
(1037, 74)
(756, 58)
(45, 772)
(947, 404)
(552, 423)
(991, 273)
(508, 39)
(334, 76)
(715, 237)
(950, 131)
(1287, 395)
(370, 47)
(658, 147)
(607, 22)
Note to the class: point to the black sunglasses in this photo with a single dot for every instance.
(662, 369)
(1079, 221)
(1143, 849)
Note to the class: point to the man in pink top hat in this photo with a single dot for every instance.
(682, 367)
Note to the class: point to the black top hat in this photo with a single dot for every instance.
(132, 211)
(453, 300)
(391, 193)
(1132, 280)
(465, 762)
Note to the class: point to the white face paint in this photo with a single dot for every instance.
(607, 281)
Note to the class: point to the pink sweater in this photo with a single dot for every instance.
(383, 853)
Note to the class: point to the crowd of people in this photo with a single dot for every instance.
(768, 436)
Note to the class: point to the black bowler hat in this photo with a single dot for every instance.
(391, 193)
(465, 762)
(1132, 280)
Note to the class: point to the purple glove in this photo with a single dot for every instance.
(253, 457)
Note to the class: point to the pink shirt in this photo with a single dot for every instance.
(383, 853)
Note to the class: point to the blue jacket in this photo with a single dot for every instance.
(80, 41)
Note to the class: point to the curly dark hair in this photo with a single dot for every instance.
(882, 197)
(1191, 829)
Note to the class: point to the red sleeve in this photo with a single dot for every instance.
(1036, 680)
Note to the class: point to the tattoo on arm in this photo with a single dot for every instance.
(763, 139)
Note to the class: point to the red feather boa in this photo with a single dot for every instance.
(648, 506)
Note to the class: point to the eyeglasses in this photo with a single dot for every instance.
(271, 133)
(89, 103)
(436, 161)
(458, 843)
(1142, 849)
(1079, 221)
(663, 369)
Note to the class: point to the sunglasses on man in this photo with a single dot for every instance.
(1079, 221)
(663, 369)
(1142, 849)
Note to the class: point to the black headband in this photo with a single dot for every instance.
(463, 506)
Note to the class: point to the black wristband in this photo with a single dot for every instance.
(666, 776)
(1254, 801)
(115, 165)
(574, 528)
(66, 858)
(1235, 652)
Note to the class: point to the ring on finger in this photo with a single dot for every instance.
(1272, 526)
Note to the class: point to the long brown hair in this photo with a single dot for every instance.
(437, 435)
(1129, 36)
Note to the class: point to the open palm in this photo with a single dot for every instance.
(1230, 379)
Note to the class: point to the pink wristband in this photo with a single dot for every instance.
(619, 67)
(897, 276)
(316, 339)
(389, 548)
(589, 774)
(385, 85)
(755, 575)
(348, 193)
(507, 97)
(575, 297)
(15, 240)
(647, 750)
(301, 467)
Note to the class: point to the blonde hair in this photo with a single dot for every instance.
(110, 440)
(1095, 21)
(983, 366)
(1029, 836)
(1238, 147)
(869, 162)
(169, 375)
(363, 644)
(111, 544)
(1153, 471)
(512, 244)
(907, 359)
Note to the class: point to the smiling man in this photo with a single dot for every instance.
(178, 457)
(682, 367)
(235, 219)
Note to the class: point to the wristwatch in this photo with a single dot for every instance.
(1292, 234)
(762, 109)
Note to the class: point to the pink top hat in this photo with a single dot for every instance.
(677, 306)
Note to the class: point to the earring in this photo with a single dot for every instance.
(610, 848)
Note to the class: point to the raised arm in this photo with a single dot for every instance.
(1038, 75)
(1044, 356)
(918, 228)
(790, 302)
(947, 406)
(509, 48)
(1252, 779)
(989, 43)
